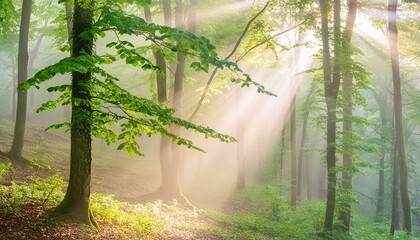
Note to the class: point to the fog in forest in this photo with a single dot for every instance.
(279, 117)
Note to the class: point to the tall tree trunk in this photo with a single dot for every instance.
(399, 131)
(382, 103)
(20, 124)
(331, 86)
(293, 197)
(76, 200)
(301, 158)
(161, 79)
(172, 186)
(347, 181)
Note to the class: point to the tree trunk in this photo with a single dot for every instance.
(383, 103)
(395, 214)
(399, 131)
(76, 200)
(331, 86)
(20, 124)
(167, 13)
(347, 181)
(302, 158)
(170, 183)
(293, 197)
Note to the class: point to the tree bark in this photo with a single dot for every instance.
(76, 200)
(399, 130)
(20, 124)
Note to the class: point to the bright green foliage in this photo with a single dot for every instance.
(129, 220)
(8, 18)
(5, 168)
(42, 191)
(112, 105)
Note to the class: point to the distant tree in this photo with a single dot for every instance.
(331, 85)
(20, 124)
(348, 152)
(399, 129)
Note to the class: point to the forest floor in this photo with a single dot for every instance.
(23, 215)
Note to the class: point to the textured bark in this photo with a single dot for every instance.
(399, 130)
(76, 200)
(20, 124)
(293, 196)
(347, 181)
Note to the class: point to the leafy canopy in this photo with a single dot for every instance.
(114, 107)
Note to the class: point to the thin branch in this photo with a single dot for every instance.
(200, 102)
(268, 39)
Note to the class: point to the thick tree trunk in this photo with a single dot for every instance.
(76, 200)
(293, 196)
(347, 181)
(399, 131)
(20, 124)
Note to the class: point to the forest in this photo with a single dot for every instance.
(209, 119)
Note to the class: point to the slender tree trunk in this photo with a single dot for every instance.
(347, 181)
(20, 124)
(301, 158)
(382, 102)
(395, 201)
(399, 131)
(331, 86)
(293, 197)
(76, 200)
(161, 79)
